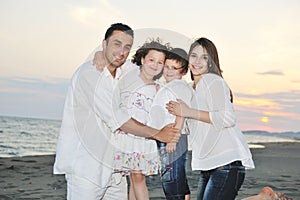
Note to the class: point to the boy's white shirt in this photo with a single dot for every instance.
(176, 89)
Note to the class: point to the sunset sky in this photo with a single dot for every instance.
(42, 42)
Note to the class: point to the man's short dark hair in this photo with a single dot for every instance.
(118, 27)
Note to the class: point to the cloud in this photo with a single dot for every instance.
(42, 85)
(272, 72)
(282, 109)
(94, 13)
(295, 81)
(281, 101)
(82, 14)
(32, 97)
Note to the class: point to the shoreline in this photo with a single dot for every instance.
(276, 166)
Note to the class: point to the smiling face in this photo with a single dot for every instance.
(117, 48)
(152, 63)
(198, 61)
(172, 70)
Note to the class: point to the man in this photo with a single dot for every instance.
(84, 150)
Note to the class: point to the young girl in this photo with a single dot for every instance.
(219, 148)
(138, 155)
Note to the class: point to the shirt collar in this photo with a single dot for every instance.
(106, 72)
(118, 73)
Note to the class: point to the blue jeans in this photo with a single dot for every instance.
(222, 183)
(173, 172)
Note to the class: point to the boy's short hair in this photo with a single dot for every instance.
(180, 56)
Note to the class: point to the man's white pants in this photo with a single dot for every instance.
(79, 188)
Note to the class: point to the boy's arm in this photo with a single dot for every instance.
(179, 122)
(171, 147)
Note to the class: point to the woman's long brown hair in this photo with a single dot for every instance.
(213, 58)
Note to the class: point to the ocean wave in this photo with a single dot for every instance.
(6, 147)
(25, 133)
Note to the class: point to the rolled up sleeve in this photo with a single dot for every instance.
(221, 112)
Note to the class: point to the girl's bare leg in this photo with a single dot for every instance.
(131, 191)
(187, 197)
(138, 188)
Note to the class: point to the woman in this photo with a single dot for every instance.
(219, 148)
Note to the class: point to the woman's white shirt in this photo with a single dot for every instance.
(221, 142)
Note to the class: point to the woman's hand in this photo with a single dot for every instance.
(99, 61)
(178, 108)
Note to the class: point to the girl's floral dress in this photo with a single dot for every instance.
(134, 152)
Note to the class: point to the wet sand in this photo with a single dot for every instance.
(31, 177)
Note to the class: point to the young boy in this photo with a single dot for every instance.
(173, 156)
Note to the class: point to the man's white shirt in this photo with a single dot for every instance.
(84, 146)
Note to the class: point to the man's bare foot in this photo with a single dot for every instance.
(268, 194)
(267, 191)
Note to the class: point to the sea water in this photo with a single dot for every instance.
(27, 136)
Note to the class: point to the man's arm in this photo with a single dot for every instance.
(167, 134)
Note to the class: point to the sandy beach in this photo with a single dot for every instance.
(31, 177)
